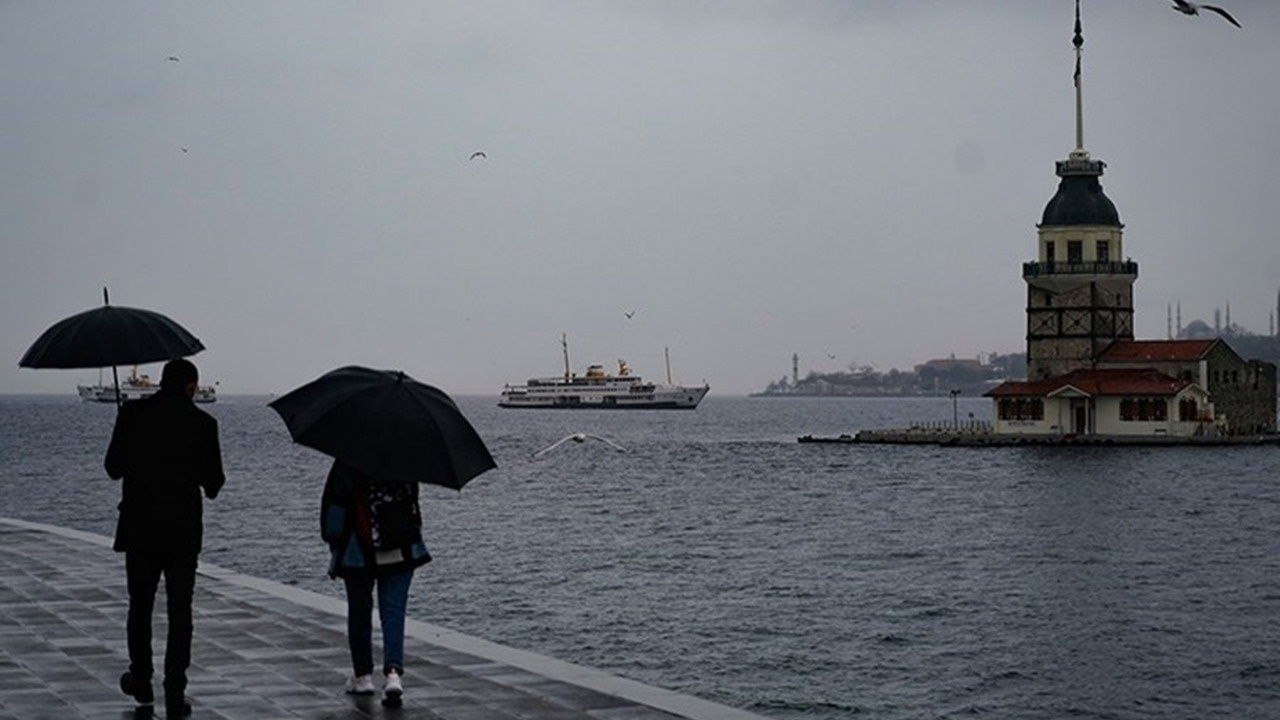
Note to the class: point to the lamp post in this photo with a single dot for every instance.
(955, 409)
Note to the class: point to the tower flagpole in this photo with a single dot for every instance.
(1078, 41)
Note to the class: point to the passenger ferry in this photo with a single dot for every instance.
(599, 390)
(136, 387)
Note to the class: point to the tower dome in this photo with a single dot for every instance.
(1080, 200)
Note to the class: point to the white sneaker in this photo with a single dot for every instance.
(362, 685)
(393, 689)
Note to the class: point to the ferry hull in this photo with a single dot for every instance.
(680, 399)
(106, 394)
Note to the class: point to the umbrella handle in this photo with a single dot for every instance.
(115, 378)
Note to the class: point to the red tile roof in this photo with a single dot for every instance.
(1094, 383)
(1156, 350)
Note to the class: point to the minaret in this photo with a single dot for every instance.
(1168, 321)
(1080, 289)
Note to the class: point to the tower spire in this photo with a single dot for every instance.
(1078, 41)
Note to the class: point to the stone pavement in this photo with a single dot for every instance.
(266, 651)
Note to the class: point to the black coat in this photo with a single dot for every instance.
(167, 451)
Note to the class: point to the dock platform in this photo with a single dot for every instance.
(965, 438)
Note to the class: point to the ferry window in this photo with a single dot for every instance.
(1075, 251)
(1104, 251)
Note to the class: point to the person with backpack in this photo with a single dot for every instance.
(374, 532)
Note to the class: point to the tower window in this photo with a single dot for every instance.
(1075, 252)
(1048, 252)
(1104, 251)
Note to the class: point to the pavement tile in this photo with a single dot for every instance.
(262, 651)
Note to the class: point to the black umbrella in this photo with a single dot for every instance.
(110, 335)
(386, 425)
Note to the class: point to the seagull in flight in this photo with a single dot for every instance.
(174, 58)
(578, 438)
(1190, 8)
(478, 154)
(629, 314)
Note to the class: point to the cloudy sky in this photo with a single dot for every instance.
(750, 178)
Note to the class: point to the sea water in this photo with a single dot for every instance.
(718, 557)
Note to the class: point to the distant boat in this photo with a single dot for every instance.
(600, 390)
(136, 387)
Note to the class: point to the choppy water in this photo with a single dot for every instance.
(720, 558)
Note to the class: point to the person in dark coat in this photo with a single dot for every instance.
(374, 532)
(166, 451)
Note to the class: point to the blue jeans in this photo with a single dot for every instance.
(393, 598)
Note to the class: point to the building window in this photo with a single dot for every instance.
(1021, 409)
(1187, 410)
(1104, 251)
(1142, 409)
(1048, 252)
(1075, 252)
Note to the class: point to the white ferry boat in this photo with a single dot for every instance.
(598, 389)
(136, 387)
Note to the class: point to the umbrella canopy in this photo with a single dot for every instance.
(110, 335)
(386, 425)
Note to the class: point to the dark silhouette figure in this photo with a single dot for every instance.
(167, 452)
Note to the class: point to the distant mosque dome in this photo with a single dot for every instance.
(1080, 201)
(1197, 329)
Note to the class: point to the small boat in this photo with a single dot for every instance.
(136, 387)
(599, 390)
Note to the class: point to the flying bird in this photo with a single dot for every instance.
(478, 154)
(1190, 8)
(629, 314)
(578, 437)
(174, 58)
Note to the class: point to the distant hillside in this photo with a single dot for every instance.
(971, 376)
(1255, 347)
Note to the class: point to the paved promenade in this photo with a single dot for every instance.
(266, 651)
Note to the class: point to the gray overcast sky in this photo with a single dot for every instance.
(751, 178)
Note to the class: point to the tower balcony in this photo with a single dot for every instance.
(1041, 269)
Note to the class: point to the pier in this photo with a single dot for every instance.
(266, 651)
(977, 436)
